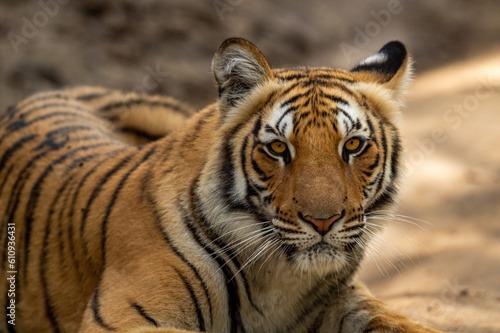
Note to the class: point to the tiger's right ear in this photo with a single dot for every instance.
(238, 67)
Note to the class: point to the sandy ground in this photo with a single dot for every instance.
(444, 270)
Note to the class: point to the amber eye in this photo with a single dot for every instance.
(277, 147)
(353, 145)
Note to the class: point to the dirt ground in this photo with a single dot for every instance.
(443, 270)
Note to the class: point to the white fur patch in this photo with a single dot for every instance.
(282, 125)
(377, 58)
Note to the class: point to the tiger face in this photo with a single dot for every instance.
(313, 150)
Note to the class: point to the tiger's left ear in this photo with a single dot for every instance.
(238, 67)
(391, 66)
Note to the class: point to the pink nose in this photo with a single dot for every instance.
(322, 225)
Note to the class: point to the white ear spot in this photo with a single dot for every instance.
(377, 58)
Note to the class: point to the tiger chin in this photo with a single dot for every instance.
(131, 213)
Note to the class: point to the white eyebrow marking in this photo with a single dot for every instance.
(282, 120)
(347, 117)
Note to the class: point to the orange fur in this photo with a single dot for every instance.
(129, 217)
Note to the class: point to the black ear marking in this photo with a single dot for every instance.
(387, 61)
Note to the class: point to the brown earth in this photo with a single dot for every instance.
(444, 271)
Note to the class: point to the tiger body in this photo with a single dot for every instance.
(244, 217)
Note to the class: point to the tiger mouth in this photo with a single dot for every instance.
(322, 247)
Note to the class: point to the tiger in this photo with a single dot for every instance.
(128, 212)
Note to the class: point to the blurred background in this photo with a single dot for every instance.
(443, 268)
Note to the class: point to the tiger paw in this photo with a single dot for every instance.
(395, 323)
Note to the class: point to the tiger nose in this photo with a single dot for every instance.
(322, 225)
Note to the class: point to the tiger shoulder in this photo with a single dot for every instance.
(123, 212)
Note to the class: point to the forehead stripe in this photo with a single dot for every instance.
(347, 115)
(290, 109)
(336, 99)
(269, 129)
(258, 125)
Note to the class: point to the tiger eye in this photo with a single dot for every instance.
(352, 144)
(278, 147)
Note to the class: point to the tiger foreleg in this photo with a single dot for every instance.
(357, 310)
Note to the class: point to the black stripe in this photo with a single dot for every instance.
(334, 77)
(144, 314)
(104, 228)
(12, 149)
(201, 223)
(14, 201)
(168, 240)
(396, 152)
(227, 178)
(22, 123)
(310, 302)
(384, 163)
(196, 221)
(256, 167)
(79, 162)
(250, 191)
(49, 307)
(375, 164)
(61, 221)
(140, 133)
(24, 113)
(231, 287)
(95, 192)
(269, 129)
(387, 197)
(94, 305)
(317, 322)
(120, 186)
(141, 101)
(93, 96)
(347, 115)
(257, 127)
(6, 177)
(295, 97)
(336, 99)
(194, 132)
(76, 195)
(290, 109)
(61, 133)
(296, 76)
(370, 125)
(201, 321)
(35, 194)
(292, 86)
(9, 112)
(42, 97)
(56, 95)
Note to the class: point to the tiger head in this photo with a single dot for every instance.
(308, 152)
